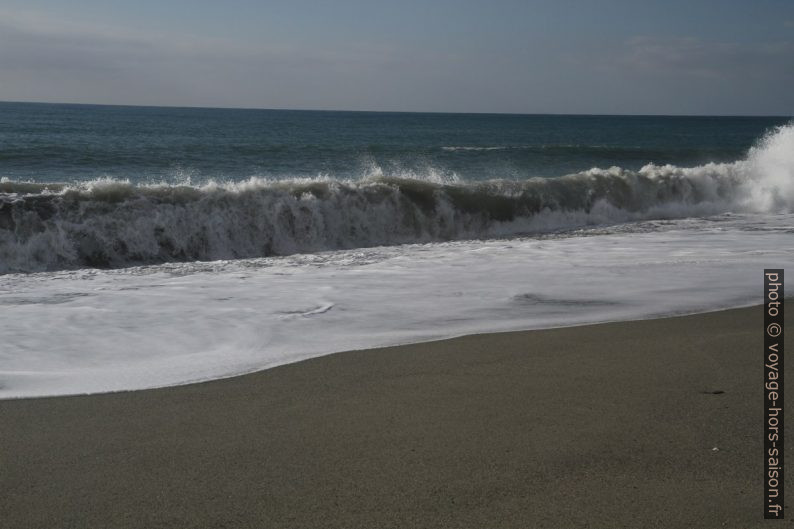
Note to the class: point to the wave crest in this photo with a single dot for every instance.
(110, 223)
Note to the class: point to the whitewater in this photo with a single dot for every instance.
(110, 285)
(113, 224)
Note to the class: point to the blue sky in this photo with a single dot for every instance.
(671, 57)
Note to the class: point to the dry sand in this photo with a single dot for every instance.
(601, 426)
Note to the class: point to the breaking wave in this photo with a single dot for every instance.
(110, 223)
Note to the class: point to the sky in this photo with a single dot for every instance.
(712, 57)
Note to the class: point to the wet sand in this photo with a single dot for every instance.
(637, 424)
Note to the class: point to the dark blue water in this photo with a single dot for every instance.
(65, 143)
(103, 186)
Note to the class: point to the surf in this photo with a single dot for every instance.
(111, 223)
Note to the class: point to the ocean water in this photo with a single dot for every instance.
(144, 247)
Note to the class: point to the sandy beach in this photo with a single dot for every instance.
(639, 424)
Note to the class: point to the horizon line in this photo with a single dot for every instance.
(195, 107)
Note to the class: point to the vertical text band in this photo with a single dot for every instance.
(773, 393)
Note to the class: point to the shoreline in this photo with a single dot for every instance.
(610, 424)
(377, 348)
(129, 329)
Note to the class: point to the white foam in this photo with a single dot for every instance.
(117, 224)
(94, 331)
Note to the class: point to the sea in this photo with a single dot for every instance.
(145, 247)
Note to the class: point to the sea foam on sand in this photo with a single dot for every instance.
(91, 331)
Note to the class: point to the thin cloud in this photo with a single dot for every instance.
(46, 59)
(692, 57)
(35, 40)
